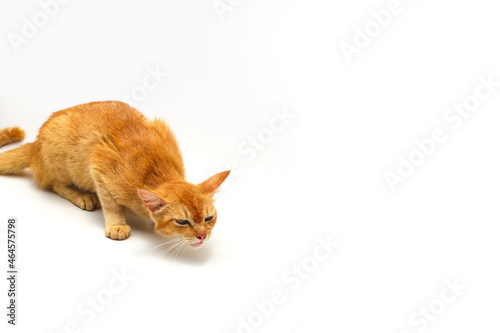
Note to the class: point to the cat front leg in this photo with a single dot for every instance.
(116, 230)
(114, 215)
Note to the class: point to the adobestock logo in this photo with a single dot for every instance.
(31, 26)
(150, 82)
(224, 6)
(255, 143)
(453, 117)
(379, 20)
(424, 316)
(89, 309)
(293, 278)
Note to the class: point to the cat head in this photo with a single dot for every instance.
(184, 210)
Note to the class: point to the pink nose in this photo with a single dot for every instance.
(201, 237)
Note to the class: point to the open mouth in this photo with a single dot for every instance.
(196, 244)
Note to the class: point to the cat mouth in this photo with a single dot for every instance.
(196, 244)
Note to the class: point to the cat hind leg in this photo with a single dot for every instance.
(84, 200)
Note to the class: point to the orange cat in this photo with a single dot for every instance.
(108, 154)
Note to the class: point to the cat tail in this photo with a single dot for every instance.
(15, 160)
(12, 134)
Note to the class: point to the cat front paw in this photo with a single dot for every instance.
(118, 232)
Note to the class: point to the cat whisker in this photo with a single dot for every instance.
(172, 247)
(163, 252)
(168, 247)
(179, 250)
(177, 246)
(165, 243)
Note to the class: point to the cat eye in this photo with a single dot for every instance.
(208, 219)
(182, 222)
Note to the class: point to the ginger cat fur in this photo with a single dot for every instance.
(108, 154)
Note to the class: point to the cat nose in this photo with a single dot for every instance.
(201, 237)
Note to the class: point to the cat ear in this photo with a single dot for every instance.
(210, 185)
(152, 201)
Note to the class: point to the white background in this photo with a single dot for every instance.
(321, 176)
